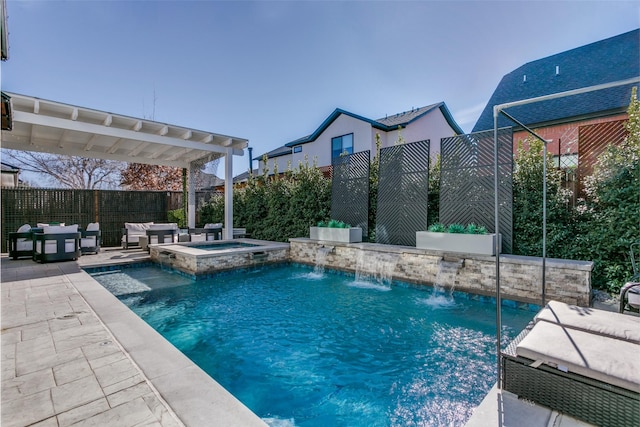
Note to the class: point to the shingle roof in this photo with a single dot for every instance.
(280, 151)
(402, 119)
(613, 59)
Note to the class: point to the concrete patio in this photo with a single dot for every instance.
(72, 354)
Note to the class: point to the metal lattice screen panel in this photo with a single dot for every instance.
(350, 190)
(403, 189)
(467, 182)
(592, 141)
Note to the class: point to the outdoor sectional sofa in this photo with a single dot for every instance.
(579, 361)
(56, 243)
(156, 233)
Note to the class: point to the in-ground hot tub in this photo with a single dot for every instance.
(207, 257)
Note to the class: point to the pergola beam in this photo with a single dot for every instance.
(55, 122)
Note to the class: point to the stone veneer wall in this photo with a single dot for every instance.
(520, 277)
(210, 264)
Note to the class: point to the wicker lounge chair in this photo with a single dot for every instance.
(578, 361)
(630, 297)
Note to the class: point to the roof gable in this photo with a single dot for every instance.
(386, 124)
(613, 59)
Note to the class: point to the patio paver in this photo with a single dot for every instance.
(50, 337)
(62, 365)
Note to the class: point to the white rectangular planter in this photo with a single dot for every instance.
(482, 244)
(342, 235)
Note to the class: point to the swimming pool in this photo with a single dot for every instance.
(305, 349)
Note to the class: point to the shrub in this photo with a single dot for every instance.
(475, 229)
(177, 216)
(456, 228)
(276, 208)
(438, 228)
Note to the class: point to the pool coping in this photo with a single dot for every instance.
(195, 397)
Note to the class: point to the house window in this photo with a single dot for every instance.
(297, 149)
(341, 144)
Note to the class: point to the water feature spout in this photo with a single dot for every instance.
(328, 249)
(448, 268)
(380, 269)
(321, 258)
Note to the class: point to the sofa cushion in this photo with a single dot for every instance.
(88, 242)
(137, 227)
(166, 226)
(24, 228)
(93, 226)
(609, 360)
(60, 229)
(24, 244)
(587, 319)
(41, 225)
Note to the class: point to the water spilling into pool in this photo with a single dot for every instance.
(304, 350)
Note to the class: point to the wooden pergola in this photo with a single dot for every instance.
(57, 128)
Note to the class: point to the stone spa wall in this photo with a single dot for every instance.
(520, 277)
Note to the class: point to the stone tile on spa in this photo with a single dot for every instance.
(27, 410)
(83, 412)
(76, 393)
(71, 371)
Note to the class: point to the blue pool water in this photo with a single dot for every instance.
(307, 349)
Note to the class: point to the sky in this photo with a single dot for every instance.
(273, 71)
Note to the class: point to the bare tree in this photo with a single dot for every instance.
(68, 171)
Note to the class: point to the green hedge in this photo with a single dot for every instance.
(277, 208)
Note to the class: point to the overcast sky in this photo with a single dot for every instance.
(272, 71)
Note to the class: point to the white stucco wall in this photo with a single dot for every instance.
(431, 126)
(321, 147)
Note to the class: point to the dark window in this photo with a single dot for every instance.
(297, 149)
(341, 144)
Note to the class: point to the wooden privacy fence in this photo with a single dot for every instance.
(110, 208)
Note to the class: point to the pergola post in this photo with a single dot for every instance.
(228, 194)
(191, 208)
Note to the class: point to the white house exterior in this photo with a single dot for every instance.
(345, 131)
